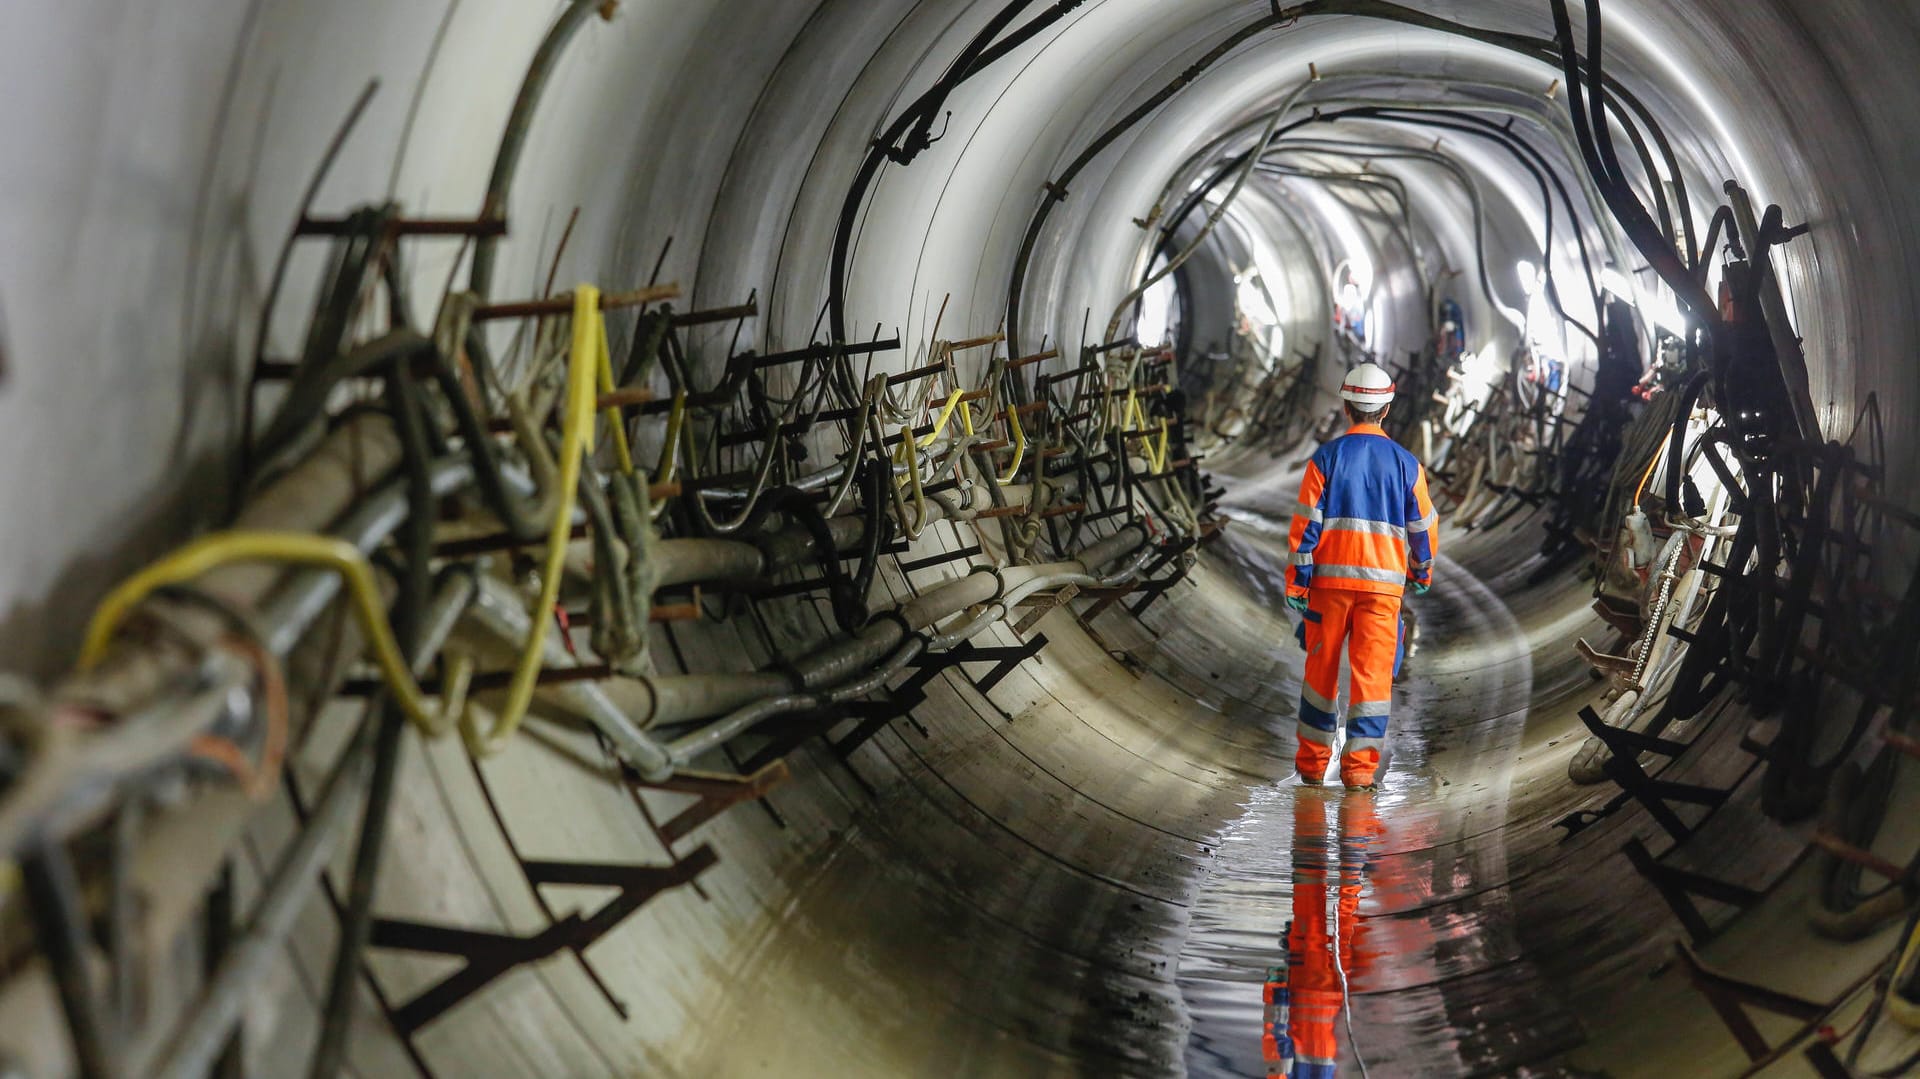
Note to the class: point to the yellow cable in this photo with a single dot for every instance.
(966, 418)
(940, 424)
(1898, 1006)
(1647, 475)
(1019, 446)
(1158, 458)
(585, 367)
(604, 361)
(302, 548)
(576, 438)
(676, 420)
(669, 452)
(913, 474)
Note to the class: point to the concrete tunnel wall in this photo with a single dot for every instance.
(961, 895)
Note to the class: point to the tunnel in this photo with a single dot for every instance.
(755, 538)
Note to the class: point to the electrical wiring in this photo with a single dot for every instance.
(588, 356)
(1198, 193)
(417, 468)
(341, 557)
(1057, 189)
(901, 636)
(257, 779)
(1530, 160)
(1596, 146)
(409, 617)
(914, 125)
(506, 164)
(1252, 160)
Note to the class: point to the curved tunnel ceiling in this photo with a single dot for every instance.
(1082, 857)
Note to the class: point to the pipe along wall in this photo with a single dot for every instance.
(642, 555)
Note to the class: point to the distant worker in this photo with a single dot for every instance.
(1363, 531)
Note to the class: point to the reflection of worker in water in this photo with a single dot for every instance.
(1364, 530)
(1325, 953)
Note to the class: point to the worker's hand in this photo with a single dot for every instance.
(1298, 603)
(1418, 588)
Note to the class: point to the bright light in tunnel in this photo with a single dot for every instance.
(1531, 277)
(1657, 304)
(1361, 271)
(1480, 368)
(1156, 313)
(1665, 313)
(1253, 299)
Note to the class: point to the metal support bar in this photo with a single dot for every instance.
(717, 314)
(874, 715)
(940, 559)
(1042, 606)
(420, 226)
(715, 792)
(1105, 598)
(1679, 886)
(1004, 658)
(1726, 995)
(1623, 767)
(53, 892)
(563, 305)
(821, 352)
(489, 955)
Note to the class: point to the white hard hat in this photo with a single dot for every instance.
(1368, 386)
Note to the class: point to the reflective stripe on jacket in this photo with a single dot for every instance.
(1364, 522)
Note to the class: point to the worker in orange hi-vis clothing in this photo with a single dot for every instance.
(1364, 530)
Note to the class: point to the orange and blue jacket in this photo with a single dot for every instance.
(1365, 522)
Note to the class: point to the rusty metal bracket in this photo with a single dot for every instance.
(1042, 605)
(715, 793)
(1604, 662)
(1151, 590)
(874, 715)
(1104, 598)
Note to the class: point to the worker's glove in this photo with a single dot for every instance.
(1418, 588)
(1298, 603)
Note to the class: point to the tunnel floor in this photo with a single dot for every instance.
(1061, 888)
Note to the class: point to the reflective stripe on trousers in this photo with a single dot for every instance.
(1367, 626)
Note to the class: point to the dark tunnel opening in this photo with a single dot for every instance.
(755, 538)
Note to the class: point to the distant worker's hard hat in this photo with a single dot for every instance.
(1368, 387)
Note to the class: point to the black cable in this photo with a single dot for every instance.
(1597, 149)
(416, 539)
(1057, 189)
(1530, 159)
(912, 125)
(1676, 444)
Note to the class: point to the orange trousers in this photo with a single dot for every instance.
(1367, 626)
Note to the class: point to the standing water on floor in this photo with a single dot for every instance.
(1375, 931)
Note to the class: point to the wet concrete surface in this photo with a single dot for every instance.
(1091, 871)
(1098, 876)
(1089, 867)
(1437, 982)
